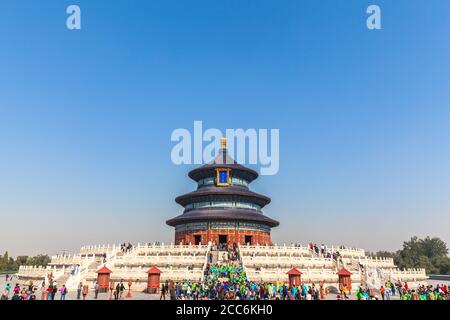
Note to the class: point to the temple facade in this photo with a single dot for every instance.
(223, 209)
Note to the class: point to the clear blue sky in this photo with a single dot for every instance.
(86, 116)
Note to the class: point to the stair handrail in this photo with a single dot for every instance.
(80, 272)
(205, 264)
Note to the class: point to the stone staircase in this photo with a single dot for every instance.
(62, 279)
(221, 257)
(87, 265)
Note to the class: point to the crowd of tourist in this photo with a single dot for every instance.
(125, 248)
(51, 292)
(228, 282)
(224, 279)
(30, 291)
(240, 289)
(323, 251)
(390, 289)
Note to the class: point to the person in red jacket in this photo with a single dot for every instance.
(85, 291)
(50, 292)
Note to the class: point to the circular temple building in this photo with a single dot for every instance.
(223, 209)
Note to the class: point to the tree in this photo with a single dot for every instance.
(433, 247)
(442, 264)
(384, 254)
(8, 263)
(39, 260)
(428, 253)
(21, 260)
(4, 262)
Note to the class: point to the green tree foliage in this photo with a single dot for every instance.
(428, 253)
(385, 254)
(4, 261)
(8, 264)
(39, 260)
(22, 260)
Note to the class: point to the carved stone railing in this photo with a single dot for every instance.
(65, 259)
(415, 274)
(298, 262)
(80, 273)
(158, 260)
(297, 250)
(380, 262)
(308, 276)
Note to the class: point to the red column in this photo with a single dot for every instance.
(209, 235)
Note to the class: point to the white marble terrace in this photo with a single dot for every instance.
(187, 262)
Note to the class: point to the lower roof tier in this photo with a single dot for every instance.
(222, 214)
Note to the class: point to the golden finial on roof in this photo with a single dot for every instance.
(223, 143)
